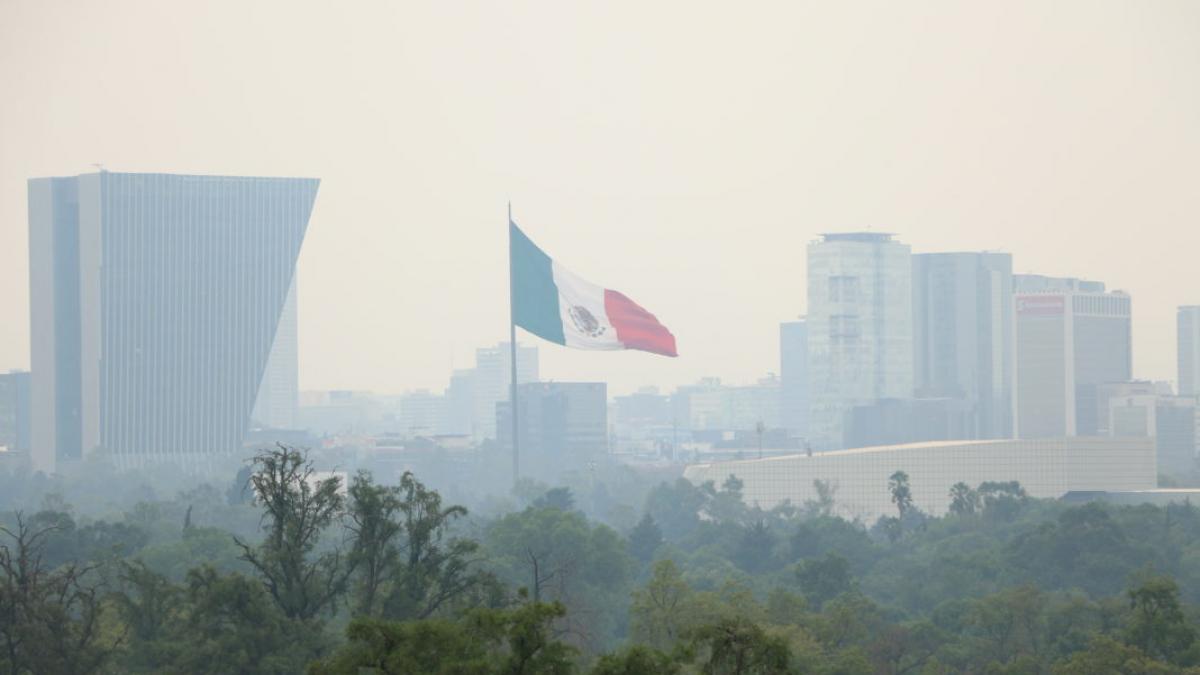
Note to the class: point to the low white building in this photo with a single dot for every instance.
(1046, 468)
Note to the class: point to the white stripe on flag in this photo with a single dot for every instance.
(581, 306)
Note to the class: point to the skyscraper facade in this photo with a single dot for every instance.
(860, 339)
(14, 411)
(492, 383)
(1188, 324)
(155, 300)
(1071, 337)
(962, 335)
(793, 376)
(278, 395)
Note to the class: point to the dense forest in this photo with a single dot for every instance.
(288, 570)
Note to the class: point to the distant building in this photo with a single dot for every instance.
(1139, 409)
(492, 381)
(860, 334)
(15, 411)
(1071, 337)
(1188, 321)
(962, 336)
(155, 301)
(898, 421)
(562, 425)
(1047, 468)
(793, 375)
(460, 403)
(421, 413)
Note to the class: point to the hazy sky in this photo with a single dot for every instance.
(682, 153)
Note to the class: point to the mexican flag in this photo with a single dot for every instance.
(554, 304)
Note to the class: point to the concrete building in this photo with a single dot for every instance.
(421, 413)
(1188, 324)
(492, 381)
(860, 337)
(15, 411)
(460, 403)
(562, 425)
(1046, 468)
(793, 375)
(1071, 337)
(962, 336)
(155, 301)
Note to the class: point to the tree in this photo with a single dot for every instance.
(823, 505)
(901, 493)
(637, 660)
(755, 548)
(1002, 500)
(556, 498)
(49, 618)
(515, 641)
(963, 500)
(645, 539)
(823, 579)
(433, 570)
(1157, 625)
(1106, 656)
(233, 626)
(371, 516)
(659, 610)
(298, 508)
(736, 646)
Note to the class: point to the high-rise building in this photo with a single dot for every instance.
(460, 402)
(278, 394)
(422, 413)
(860, 339)
(1071, 337)
(793, 376)
(1189, 350)
(14, 411)
(962, 335)
(493, 380)
(562, 425)
(155, 300)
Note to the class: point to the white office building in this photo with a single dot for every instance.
(860, 328)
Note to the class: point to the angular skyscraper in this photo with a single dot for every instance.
(1189, 350)
(278, 395)
(1071, 337)
(793, 376)
(962, 335)
(860, 346)
(155, 300)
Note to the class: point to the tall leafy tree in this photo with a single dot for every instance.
(434, 569)
(964, 501)
(50, 618)
(297, 509)
(1157, 625)
(901, 493)
(645, 539)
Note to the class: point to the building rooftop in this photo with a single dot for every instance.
(868, 237)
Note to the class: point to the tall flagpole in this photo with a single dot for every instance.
(512, 344)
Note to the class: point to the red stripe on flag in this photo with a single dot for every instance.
(636, 328)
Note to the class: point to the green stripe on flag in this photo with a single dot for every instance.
(535, 297)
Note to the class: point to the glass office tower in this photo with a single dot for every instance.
(155, 301)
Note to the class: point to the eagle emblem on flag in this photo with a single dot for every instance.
(585, 322)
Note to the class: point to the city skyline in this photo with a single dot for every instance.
(642, 178)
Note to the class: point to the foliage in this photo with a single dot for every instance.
(298, 507)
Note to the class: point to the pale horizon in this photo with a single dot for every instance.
(682, 155)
